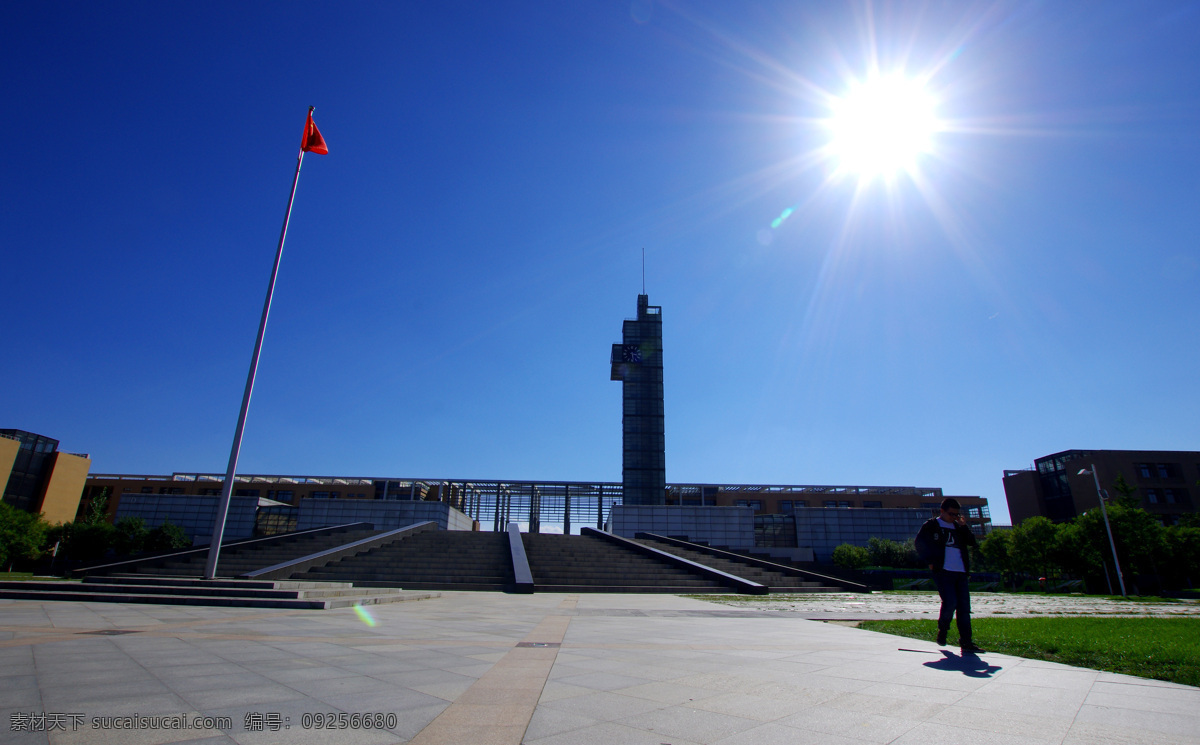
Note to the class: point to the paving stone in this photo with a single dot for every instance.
(689, 723)
(604, 706)
(779, 734)
(854, 724)
(609, 733)
(546, 722)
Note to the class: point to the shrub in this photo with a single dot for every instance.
(129, 536)
(22, 535)
(896, 554)
(850, 556)
(167, 537)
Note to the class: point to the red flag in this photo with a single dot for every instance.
(313, 142)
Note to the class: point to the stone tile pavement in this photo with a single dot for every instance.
(482, 668)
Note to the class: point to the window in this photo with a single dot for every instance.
(147, 490)
(1144, 470)
(785, 506)
(319, 495)
(845, 504)
(169, 490)
(246, 493)
(829, 503)
(1169, 496)
(210, 492)
(1163, 471)
(1152, 496)
(755, 503)
(872, 503)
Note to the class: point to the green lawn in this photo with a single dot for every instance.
(26, 577)
(1160, 648)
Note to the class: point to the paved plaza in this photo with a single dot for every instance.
(543, 669)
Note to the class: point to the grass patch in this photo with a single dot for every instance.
(27, 577)
(1159, 648)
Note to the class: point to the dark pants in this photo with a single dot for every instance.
(956, 598)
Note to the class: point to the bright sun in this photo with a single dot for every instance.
(881, 127)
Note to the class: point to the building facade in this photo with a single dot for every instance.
(781, 499)
(38, 477)
(791, 521)
(638, 363)
(1165, 482)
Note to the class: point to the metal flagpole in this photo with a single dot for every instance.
(214, 548)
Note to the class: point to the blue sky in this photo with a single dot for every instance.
(460, 263)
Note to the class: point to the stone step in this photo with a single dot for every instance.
(287, 584)
(663, 589)
(590, 564)
(225, 600)
(430, 560)
(776, 581)
(179, 589)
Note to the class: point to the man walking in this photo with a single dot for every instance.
(942, 543)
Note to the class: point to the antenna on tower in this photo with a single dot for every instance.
(643, 270)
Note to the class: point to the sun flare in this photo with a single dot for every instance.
(882, 126)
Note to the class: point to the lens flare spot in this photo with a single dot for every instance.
(364, 615)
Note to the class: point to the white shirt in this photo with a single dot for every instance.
(954, 561)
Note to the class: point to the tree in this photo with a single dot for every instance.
(850, 556)
(1183, 555)
(129, 536)
(167, 537)
(88, 541)
(97, 511)
(1033, 543)
(888, 553)
(22, 535)
(1126, 492)
(1080, 546)
(1140, 538)
(996, 551)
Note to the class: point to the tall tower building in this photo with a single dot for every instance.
(637, 362)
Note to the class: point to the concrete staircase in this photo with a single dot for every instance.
(584, 563)
(186, 591)
(781, 580)
(242, 557)
(433, 560)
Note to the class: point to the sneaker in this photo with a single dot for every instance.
(942, 637)
(971, 648)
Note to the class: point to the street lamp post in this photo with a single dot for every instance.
(1107, 527)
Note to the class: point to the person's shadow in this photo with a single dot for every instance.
(967, 664)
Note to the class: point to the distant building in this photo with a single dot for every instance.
(38, 477)
(638, 363)
(781, 499)
(269, 490)
(787, 520)
(1165, 482)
